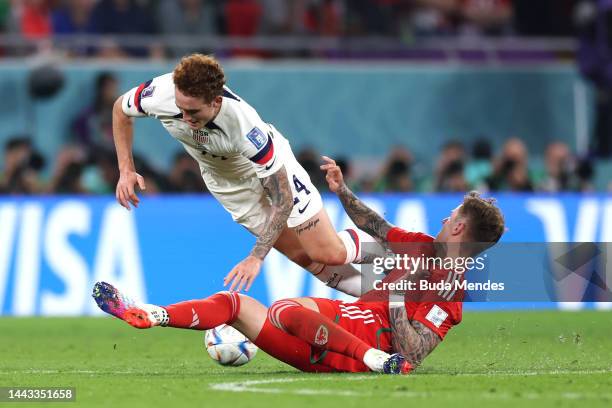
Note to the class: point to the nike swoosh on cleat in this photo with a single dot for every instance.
(128, 103)
(301, 210)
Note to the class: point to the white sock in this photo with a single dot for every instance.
(375, 359)
(345, 278)
(157, 314)
(360, 247)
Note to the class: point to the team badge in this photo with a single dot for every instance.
(436, 315)
(148, 92)
(200, 136)
(321, 336)
(257, 137)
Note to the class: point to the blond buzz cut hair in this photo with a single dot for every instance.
(199, 76)
(485, 220)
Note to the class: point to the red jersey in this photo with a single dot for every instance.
(437, 309)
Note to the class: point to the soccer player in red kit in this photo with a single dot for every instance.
(323, 335)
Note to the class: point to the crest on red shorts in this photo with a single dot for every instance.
(321, 336)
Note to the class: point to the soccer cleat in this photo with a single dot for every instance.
(375, 359)
(113, 302)
(397, 364)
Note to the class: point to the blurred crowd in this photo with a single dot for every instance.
(91, 169)
(459, 168)
(405, 19)
(87, 164)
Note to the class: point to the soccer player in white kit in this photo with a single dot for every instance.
(247, 165)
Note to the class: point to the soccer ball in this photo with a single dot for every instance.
(228, 347)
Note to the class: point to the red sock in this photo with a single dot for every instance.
(202, 314)
(315, 329)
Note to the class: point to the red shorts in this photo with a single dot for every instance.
(369, 321)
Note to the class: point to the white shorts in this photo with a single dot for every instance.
(248, 204)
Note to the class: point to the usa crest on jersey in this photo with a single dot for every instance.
(200, 136)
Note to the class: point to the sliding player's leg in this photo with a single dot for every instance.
(303, 318)
(242, 312)
(287, 343)
(345, 278)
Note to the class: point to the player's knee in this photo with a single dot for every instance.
(277, 308)
(301, 258)
(329, 256)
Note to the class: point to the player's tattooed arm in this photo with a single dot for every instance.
(281, 198)
(412, 339)
(363, 216)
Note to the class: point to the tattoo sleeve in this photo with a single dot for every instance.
(412, 339)
(363, 216)
(278, 189)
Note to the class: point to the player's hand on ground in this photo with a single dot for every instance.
(125, 192)
(243, 274)
(333, 175)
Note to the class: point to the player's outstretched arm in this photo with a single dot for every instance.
(278, 189)
(123, 131)
(281, 198)
(363, 216)
(412, 339)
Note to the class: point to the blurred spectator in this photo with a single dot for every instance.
(279, 18)
(566, 173)
(69, 167)
(73, 17)
(489, 17)
(5, 15)
(585, 175)
(311, 161)
(187, 17)
(396, 174)
(32, 18)
(480, 167)
(594, 20)
(93, 127)
(559, 167)
(433, 17)
(122, 17)
(242, 17)
(22, 167)
(184, 176)
(155, 182)
(449, 168)
(510, 169)
(324, 18)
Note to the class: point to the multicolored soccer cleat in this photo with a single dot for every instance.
(113, 302)
(397, 364)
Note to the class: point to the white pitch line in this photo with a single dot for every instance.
(251, 387)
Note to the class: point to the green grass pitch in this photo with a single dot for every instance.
(501, 359)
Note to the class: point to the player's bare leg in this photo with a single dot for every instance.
(321, 242)
(344, 277)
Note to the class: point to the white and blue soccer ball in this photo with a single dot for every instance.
(228, 347)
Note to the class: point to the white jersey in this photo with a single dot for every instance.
(234, 151)
(237, 144)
